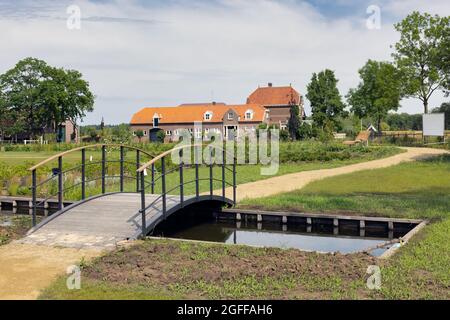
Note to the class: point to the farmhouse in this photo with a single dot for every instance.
(270, 105)
(228, 120)
(278, 100)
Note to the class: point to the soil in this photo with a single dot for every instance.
(164, 263)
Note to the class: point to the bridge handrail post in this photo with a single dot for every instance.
(163, 187)
(181, 179)
(121, 168)
(223, 174)
(83, 174)
(153, 178)
(103, 168)
(138, 160)
(33, 197)
(234, 181)
(144, 223)
(211, 175)
(196, 160)
(60, 183)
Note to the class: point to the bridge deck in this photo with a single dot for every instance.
(100, 222)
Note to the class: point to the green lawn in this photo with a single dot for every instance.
(18, 163)
(414, 190)
(174, 269)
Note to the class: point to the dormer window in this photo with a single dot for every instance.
(249, 114)
(208, 115)
(155, 120)
(230, 115)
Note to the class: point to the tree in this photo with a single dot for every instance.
(326, 102)
(139, 134)
(21, 89)
(422, 54)
(37, 96)
(444, 108)
(378, 92)
(294, 122)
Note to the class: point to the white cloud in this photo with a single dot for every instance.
(183, 52)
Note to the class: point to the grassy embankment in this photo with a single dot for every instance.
(174, 269)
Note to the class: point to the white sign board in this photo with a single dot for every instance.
(434, 124)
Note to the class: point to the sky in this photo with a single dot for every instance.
(164, 53)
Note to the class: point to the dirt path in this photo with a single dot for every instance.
(27, 269)
(295, 181)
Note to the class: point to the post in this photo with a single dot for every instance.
(197, 187)
(234, 181)
(211, 175)
(103, 168)
(33, 199)
(60, 184)
(144, 224)
(121, 168)
(138, 160)
(153, 178)
(83, 174)
(163, 182)
(223, 174)
(181, 184)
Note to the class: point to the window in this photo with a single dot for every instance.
(168, 132)
(208, 115)
(230, 115)
(155, 122)
(206, 130)
(176, 132)
(145, 132)
(134, 133)
(249, 114)
(283, 127)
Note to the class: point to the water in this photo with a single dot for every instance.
(320, 238)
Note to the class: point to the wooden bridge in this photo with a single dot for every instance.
(104, 217)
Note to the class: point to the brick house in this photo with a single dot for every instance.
(269, 105)
(229, 120)
(278, 100)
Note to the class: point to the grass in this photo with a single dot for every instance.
(414, 190)
(13, 184)
(174, 269)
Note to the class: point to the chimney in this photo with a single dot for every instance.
(270, 84)
(214, 103)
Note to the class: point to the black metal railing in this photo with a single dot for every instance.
(161, 197)
(58, 173)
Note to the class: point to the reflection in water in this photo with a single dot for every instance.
(318, 237)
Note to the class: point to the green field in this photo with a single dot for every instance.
(15, 177)
(414, 190)
(174, 269)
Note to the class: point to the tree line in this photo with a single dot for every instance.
(420, 67)
(36, 98)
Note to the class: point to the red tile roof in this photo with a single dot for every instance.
(191, 113)
(275, 96)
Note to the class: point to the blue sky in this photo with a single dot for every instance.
(164, 53)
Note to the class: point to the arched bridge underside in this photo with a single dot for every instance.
(105, 220)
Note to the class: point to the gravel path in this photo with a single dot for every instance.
(27, 269)
(295, 181)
